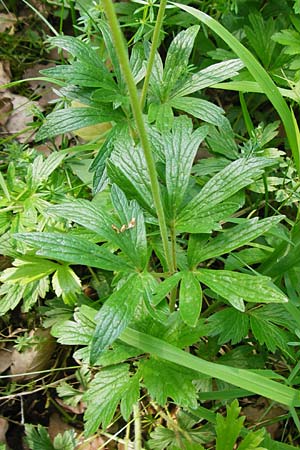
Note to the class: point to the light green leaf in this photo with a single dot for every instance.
(190, 299)
(228, 428)
(202, 109)
(78, 331)
(11, 295)
(66, 284)
(27, 271)
(235, 286)
(166, 380)
(177, 58)
(130, 396)
(180, 150)
(43, 168)
(253, 440)
(162, 115)
(106, 391)
(221, 186)
(71, 119)
(233, 238)
(213, 74)
(115, 315)
(74, 250)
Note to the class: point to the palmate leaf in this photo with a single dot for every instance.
(71, 119)
(115, 315)
(63, 247)
(229, 324)
(180, 148)
(235, 286)
(233, 238)
(109, 387)
(220, 187)
(166, 380)
(228, 428)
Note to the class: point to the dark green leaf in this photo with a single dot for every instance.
(115, 315)
(233, 238)
(105, 393)
(167, 380)
(133, 240)
(235, 286)
(207, 219)
(190, 299)
(63, 247)
(220, 187)
(230, 324)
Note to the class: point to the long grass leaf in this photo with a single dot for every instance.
(242, 378)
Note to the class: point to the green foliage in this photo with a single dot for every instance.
(38, 439)
(200, 278)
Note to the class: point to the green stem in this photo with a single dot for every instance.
(138, 116)
(173, 294)
(137, 427)
(154, 45)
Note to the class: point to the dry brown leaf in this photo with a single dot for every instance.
(93, 443)
(38, 357)
(7, 22)
(40, 87)
(20, 117)
(3, 430)
(78, 409)
(5, 359)
(5, 74)
(57, 425)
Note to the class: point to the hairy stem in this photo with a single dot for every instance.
(140, 124)
(154, 45)
(137, 427)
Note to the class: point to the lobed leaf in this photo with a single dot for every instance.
(202, 109)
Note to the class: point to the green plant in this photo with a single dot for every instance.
(179, 248)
